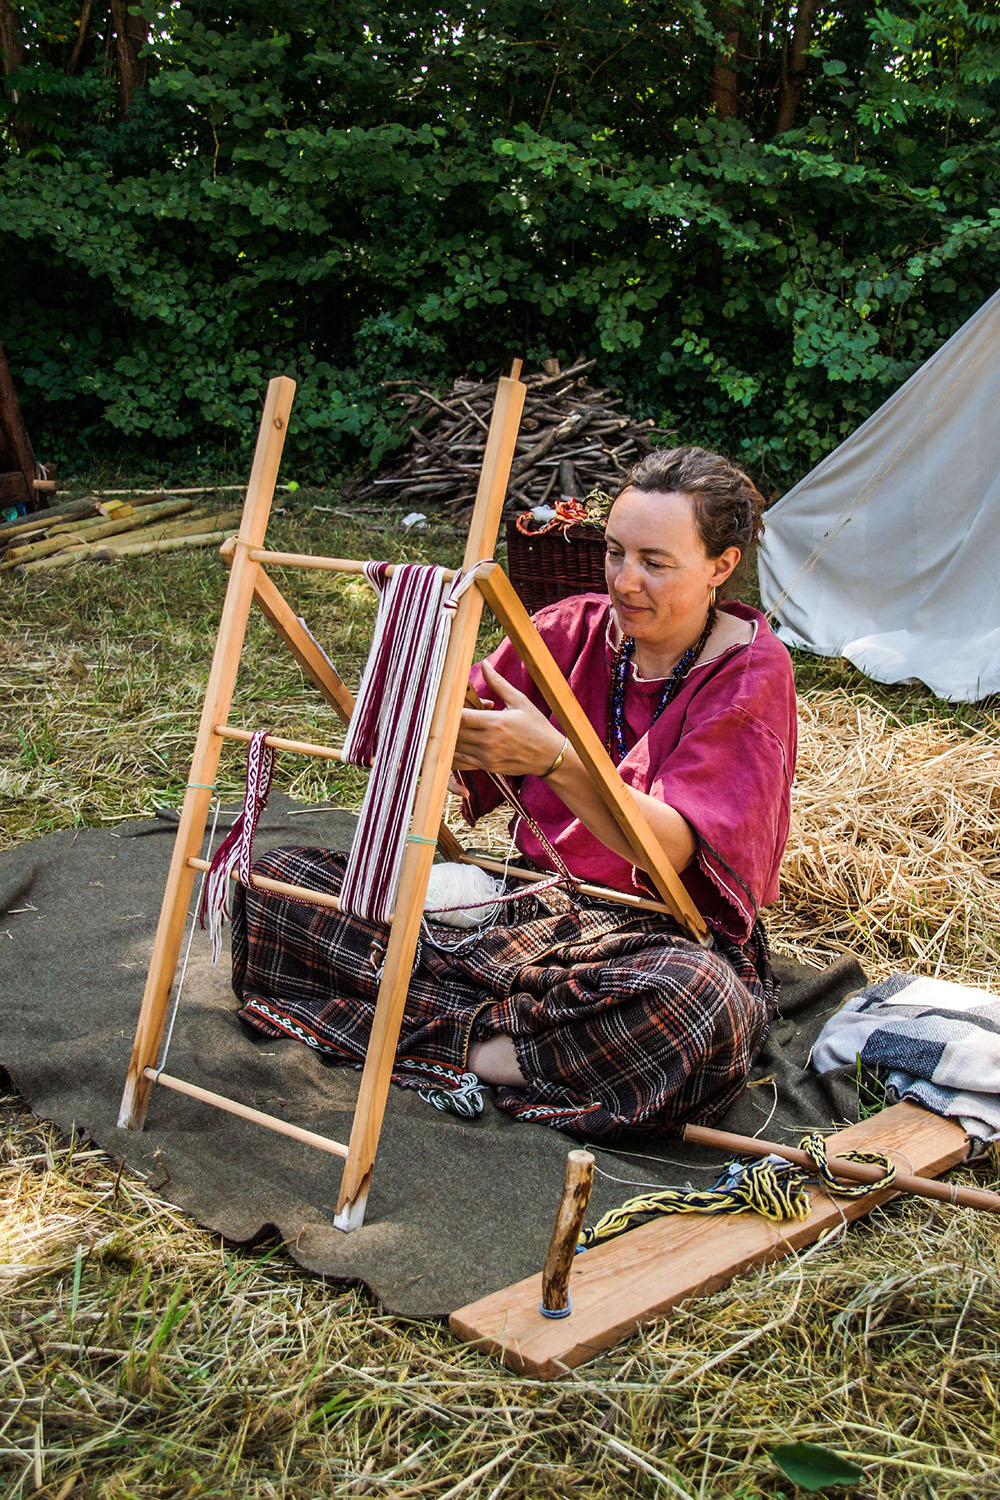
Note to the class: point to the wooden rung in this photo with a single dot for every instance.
(601, 892)
(323, 898)
(299, 747)
(322, 564)
(257, 1116)
(279, 887)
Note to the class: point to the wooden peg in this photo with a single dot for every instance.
(566, 1235)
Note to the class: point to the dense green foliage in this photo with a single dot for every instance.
(760, 222)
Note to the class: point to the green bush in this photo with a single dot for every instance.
(350, 198)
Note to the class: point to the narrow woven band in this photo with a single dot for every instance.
(236, 848)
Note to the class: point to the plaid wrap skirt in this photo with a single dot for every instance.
(619, 1021)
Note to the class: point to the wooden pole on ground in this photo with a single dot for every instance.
(197, 798)
(40, 519)
(853, 1171)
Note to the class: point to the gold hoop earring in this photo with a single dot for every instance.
(711, 597)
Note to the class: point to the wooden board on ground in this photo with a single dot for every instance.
(622, 1283)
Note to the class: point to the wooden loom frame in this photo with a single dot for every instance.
(250, 583)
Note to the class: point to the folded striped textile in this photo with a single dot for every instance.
(929, 1040)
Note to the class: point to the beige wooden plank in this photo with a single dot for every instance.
(428, 809)
(205, 760)
(619, 1284)
(558, 694)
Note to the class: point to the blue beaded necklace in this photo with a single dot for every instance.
(616, 745)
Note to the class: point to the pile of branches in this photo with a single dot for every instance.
(104, 527)
(572, 440)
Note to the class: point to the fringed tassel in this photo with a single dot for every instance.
(236, 849)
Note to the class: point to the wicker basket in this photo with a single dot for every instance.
(548, 565)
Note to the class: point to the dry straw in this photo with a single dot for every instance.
(894, 849)
(894, 852)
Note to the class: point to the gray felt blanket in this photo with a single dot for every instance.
(458, 1208)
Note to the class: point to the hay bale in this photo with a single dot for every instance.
(894, 850)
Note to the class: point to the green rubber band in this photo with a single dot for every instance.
(416, 838)
(199, 786)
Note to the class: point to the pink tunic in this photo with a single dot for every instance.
(722, 754)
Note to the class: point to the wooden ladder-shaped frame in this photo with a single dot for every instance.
(249, 582)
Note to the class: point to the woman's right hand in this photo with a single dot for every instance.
(517, 740)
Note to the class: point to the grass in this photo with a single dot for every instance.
(103, 671)
(141, 1357)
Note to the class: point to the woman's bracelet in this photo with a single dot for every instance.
(558, 760)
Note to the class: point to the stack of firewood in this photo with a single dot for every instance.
(572, 440)
(103, 528)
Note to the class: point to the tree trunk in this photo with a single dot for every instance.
(11, 58)
(727, 99)
(81, 36)
(15, 445)
(130, 38)
(793, 66)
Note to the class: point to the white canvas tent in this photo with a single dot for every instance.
(888, 553)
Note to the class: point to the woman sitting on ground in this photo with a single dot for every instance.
(600, 1018)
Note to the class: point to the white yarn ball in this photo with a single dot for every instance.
(465, 886)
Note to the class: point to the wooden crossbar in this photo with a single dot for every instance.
(276, 887)
(321, 564)
(245, 1112)
(248, 584)
(276, 742)
(600, 892)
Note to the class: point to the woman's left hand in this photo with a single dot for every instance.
(517, 740)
